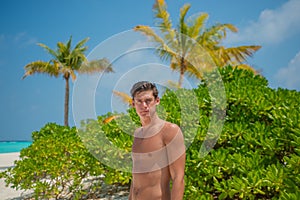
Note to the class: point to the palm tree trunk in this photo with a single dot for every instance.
(182, 70)
(66, 112)
(180, 79)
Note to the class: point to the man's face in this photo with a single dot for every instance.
(145, 103)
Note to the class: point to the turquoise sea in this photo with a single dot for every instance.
(13, 146)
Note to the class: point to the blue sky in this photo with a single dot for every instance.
(27, 105)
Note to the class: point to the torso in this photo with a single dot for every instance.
(151, 176)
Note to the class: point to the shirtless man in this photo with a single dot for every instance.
(158, 150)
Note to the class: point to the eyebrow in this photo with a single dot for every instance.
(147, 98)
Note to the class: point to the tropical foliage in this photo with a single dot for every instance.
(66, 62)
(177, 44)
(257, 155)
(55, 165)
(58, 165)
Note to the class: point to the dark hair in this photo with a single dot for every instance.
(143, 86)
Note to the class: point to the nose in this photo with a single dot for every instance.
(145, 104)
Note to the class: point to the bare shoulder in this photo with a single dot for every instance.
(171, 127)
(170, 131)
(137, 131)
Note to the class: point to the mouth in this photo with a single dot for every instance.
(145, 111)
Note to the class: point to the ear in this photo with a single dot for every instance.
(157, 100)
(132, 103)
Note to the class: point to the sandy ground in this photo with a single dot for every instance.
(7, 160)
(7, 193)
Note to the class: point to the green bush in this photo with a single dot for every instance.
(111, 144)
(55, 165)
(257, 155)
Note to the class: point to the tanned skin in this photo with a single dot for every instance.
(158, 154)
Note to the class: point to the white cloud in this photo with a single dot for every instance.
(272, 26)
(19, 40)
(23, 39)
(289, 76)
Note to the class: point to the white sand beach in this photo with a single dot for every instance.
(7, 159)
(7, 193)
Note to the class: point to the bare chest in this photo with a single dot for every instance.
(148, 144)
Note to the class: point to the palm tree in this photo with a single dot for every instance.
(66, 61)
(175, 43)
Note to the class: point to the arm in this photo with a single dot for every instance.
(130, 197)
(176, 155)
(177, 175)
(130, 192)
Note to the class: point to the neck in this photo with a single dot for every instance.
(149, 120)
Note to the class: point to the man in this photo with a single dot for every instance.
(158, 150)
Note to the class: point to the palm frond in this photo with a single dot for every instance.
(62, 49)
(100, 65)
(234, 55)
(163, 20)
(173, 85)
(216, 33)
(148, 31)
(52, 69)
(124, 97)
(48, 49)
(81, 43)
(182, 25)
(164, 48)
(183, 29)
(73, 75)
(196, 71)
(109, 119)
(174, 63)
(247, 67)
(197, 25)
(161, 13)
(179, 44)
(69, 44)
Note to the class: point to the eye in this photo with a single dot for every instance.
(148, 101)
